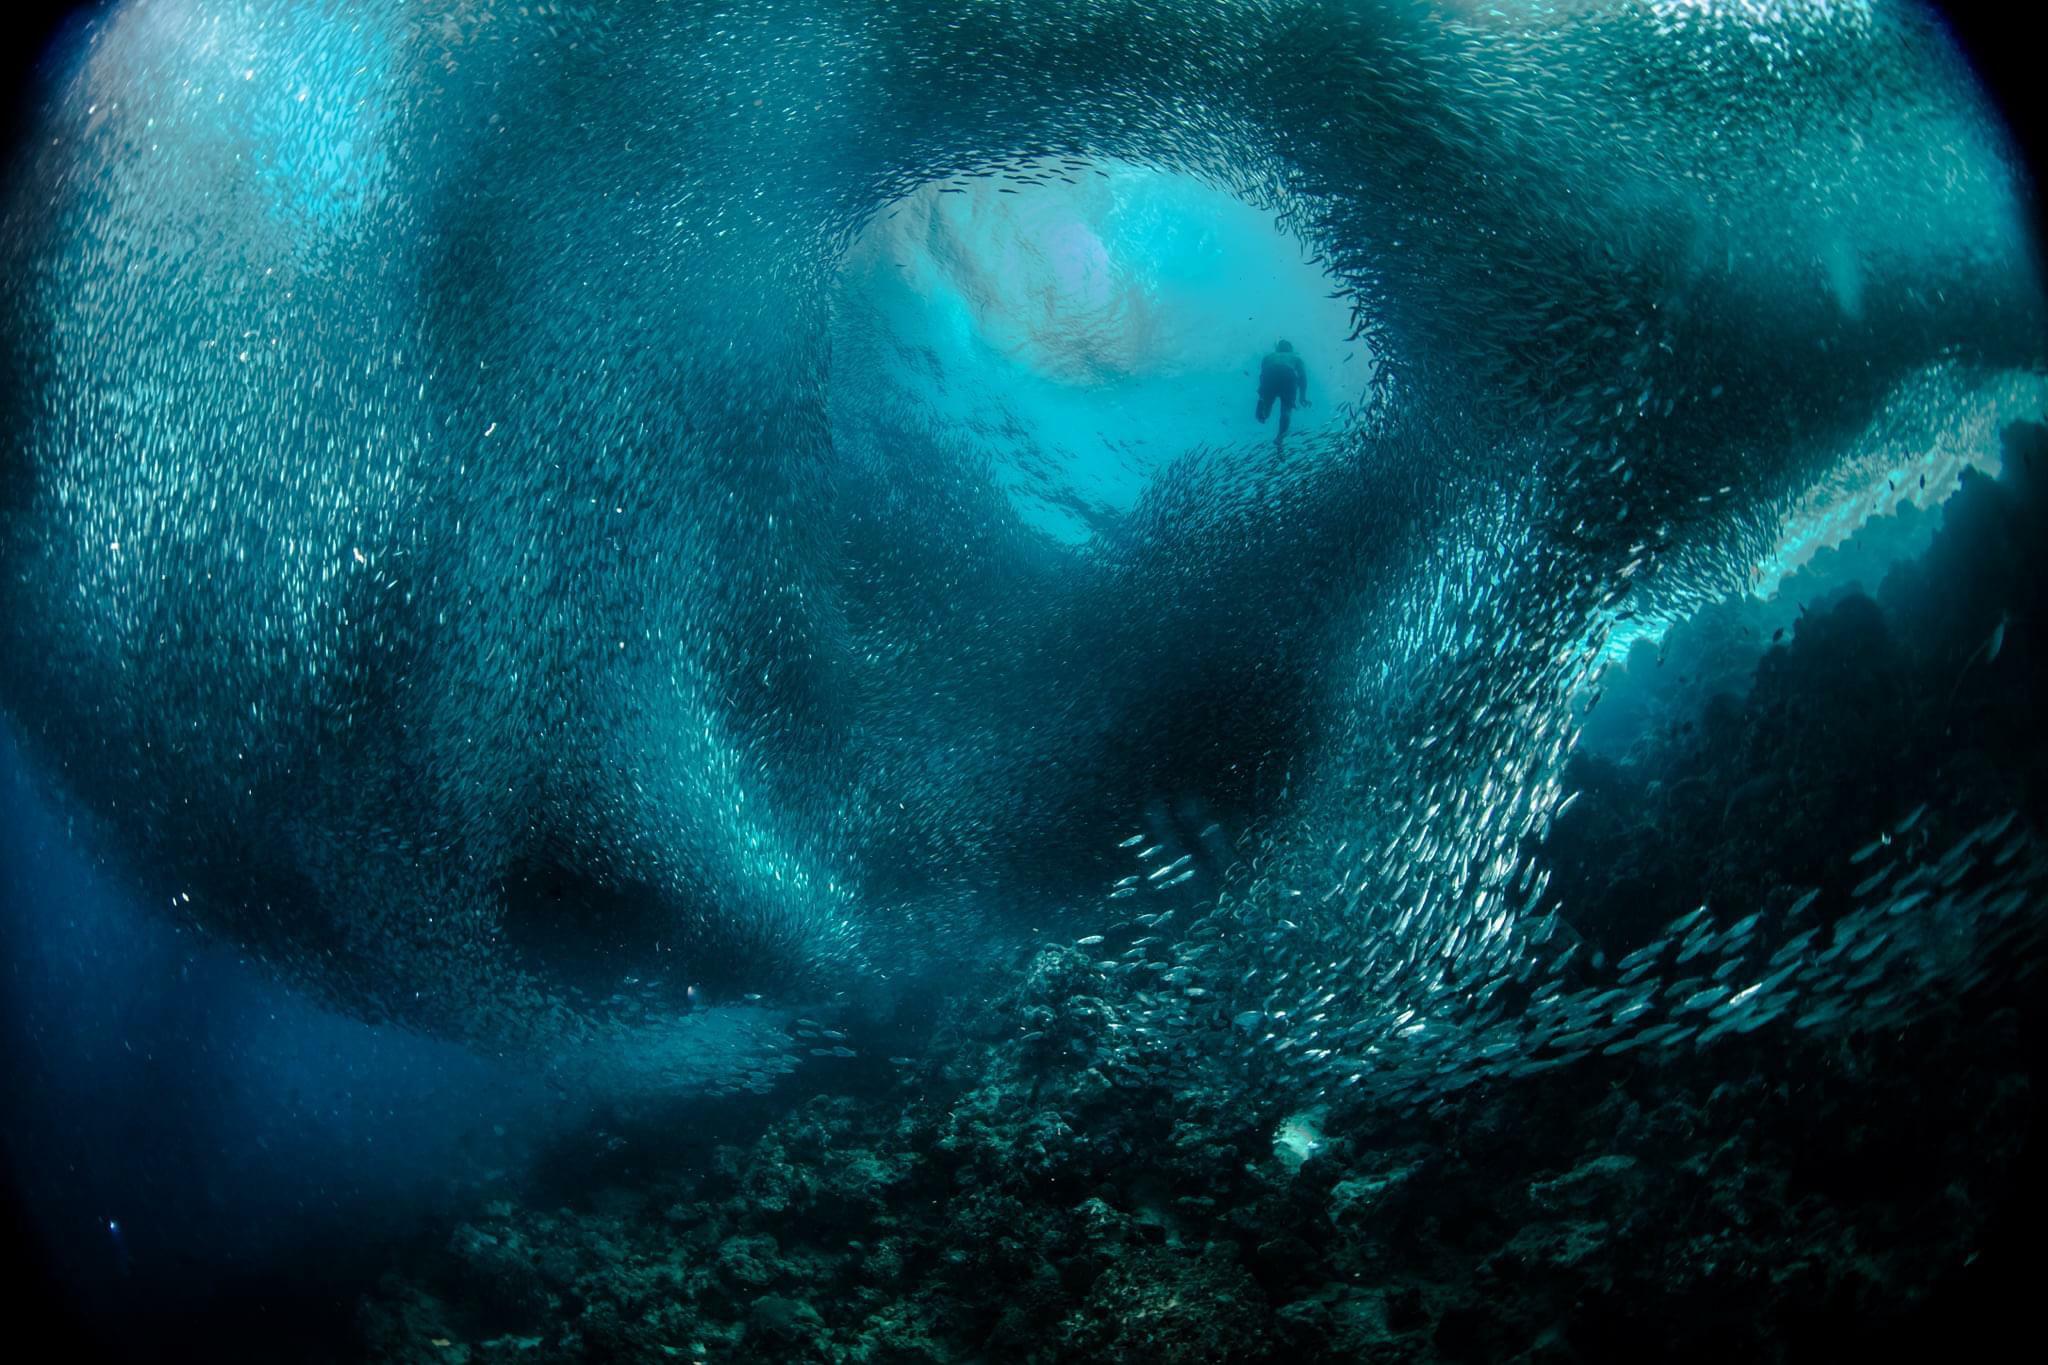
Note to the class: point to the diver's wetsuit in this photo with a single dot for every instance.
(1282, 376)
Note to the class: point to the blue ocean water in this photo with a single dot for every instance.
(184, 1132)
(576, 571)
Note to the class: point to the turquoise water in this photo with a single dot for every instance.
(1081, 326)
(637, 541)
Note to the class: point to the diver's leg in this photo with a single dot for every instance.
(1265, 405)
(1286, 416)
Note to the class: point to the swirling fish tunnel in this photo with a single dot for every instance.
(476, 541)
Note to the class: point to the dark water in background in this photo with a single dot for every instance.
(252, 1148)
(265, 1153)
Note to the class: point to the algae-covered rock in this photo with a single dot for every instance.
(1607, 1182)
(751, 1260)
(1153, 1305)
(783, 1323)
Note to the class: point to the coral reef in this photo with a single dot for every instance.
(1039, 1186)
(1764, 1206)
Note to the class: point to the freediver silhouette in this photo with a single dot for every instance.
(1283, 379)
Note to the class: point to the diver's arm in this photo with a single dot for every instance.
(1301, 380)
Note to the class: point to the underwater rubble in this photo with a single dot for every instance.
(1757, 1202)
